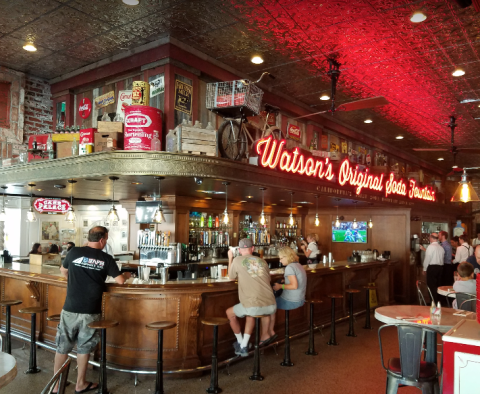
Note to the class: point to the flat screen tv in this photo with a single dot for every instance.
(346, 233)
(144, 211)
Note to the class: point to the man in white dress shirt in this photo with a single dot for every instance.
(476, 241)
(464, 250)
(433, 265)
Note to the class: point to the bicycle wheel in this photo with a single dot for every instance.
(275, 132)
(231, 140)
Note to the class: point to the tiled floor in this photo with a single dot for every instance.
(352, 367)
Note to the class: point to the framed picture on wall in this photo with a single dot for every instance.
(85, 223)
(50, 231)
(115, 223)
(124, 247)
(124, 222)
(124, 234)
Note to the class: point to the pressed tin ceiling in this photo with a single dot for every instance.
(380, 51)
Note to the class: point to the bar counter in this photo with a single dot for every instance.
(186, 302)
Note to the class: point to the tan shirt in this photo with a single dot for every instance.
(253, 274)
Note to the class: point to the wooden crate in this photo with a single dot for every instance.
(65, 137)
(196, 141)
(110, 127)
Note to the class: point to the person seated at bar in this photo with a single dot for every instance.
(311, 249)
(475, 260)
(54, 249)
(85, 269)
(465, 282)
(36, 249)
(255, 294)
(293, 294)
(70, 245)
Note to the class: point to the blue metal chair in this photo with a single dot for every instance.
(408, 369)
(466, 302)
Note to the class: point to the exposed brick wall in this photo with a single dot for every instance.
(38, 107)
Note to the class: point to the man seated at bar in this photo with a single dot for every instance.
(293, 295)
(465, 283)
(255, 294)
(86, 269)
(36, 249)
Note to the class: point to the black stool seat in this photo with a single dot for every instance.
(33, 310)
(370, 287)
(8, 313)
(311, 341)
(102, 325)
(335, 295)
(55, 318)
(215, 322)
(256, 354)
(333, 340)
(314, 301)
(351, 328)
(160, 326)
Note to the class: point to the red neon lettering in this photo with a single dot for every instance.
(358, 178)
(395, 187)
(425, 193)
(273, 155)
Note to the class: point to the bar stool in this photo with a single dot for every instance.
(54, 318)
(215, 322)
(333, 340)
(256, 354)
(160, 326)
(286, 359)
(311, 345)
(8, 313)
(351, 329)
(32, 362)
(102, 325)
(367, 303)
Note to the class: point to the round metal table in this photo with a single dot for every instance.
(8, 369)
(446, 291)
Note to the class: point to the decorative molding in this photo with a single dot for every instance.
(32, 288)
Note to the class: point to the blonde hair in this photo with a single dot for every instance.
(313, 236)
(289, 254)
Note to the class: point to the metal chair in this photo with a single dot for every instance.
(61, 377)
(421, 299)
(466, 302)
(408, 369)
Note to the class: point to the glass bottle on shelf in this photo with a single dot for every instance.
(155, 145)
(34, 142)
(74, 147)
(217, 222)
(210, 221)
(106, 118)
(202, 221)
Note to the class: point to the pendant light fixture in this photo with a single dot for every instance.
(370, 223)
(290, 220)
(31, 217)
(317, 220)
(337, 220)
(70, 217)
(225, 219)
(158, 217)
(465, 191)
(3, 215)
(355, 224)
(112, 214)
(262, 215)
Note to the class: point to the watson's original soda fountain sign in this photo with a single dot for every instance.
(275, 156)
(51, 205)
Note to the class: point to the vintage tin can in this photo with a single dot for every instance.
(140, 93)
(141, 124)
(85, 149)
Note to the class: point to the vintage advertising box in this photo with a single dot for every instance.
(110, 127)
(86, 136)
(64, 149)
(45, 259)
(108, 141)
(41, 144)
(64, 137)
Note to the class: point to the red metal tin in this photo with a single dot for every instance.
(141, 124)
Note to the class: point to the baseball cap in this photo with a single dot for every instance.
(245, 243)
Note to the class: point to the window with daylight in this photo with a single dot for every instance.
(5, 104)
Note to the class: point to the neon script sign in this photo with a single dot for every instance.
(274, 155)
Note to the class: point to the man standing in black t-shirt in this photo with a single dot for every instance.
(86, 269)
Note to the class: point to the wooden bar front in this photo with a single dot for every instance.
(189, 345)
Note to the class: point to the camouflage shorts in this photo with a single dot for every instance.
(73, 328)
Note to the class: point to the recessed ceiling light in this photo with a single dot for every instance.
(29, 46)
(282, 200)
(324, 97)
(399, 137)
(274, 204)
(417, 17)
(137, 183)
(40, 190)
(243, 201)
(249, 196)
(440, 159)
(210, 192)
(458, 72)
(131, 2)
(299, 206)
(257, 60)
(454, 166)
(208, 198)
(368, 121)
